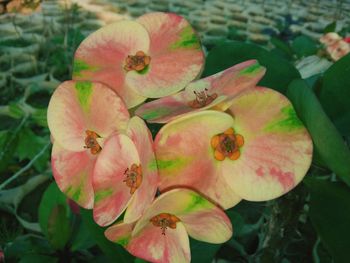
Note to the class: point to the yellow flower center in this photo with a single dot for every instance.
(165, 220)
(133, 177)
(137, 62)
(227, 144)
(91, 142)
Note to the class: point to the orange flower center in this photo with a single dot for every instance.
(137, 62)
(227, 144)
(165, 220)
(91, 142)
(133, 177)
(202, 99)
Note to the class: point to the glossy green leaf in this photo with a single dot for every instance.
(304, 46)
(330, 215)
(335, 93)
(113, 251)
(51, 198)
(327, 141)
(59, 227)
(279, 74)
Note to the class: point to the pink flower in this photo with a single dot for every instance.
(161, 234)
(101, 159)
(212, 92)
(154, 56)
(330, 38)
(257, 150)
(338, 50)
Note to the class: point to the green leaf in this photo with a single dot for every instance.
(40, 117)
(283, 46)
(82, 239)
(327, 141)
(29, 145)
(330, 215)
(330, 27)
(335, 93)
(51, 198)
(59, 227)
(114, 252)
(279, 71)
(202, 252)
(37, 258)
(304, 46)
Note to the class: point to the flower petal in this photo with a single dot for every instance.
(176, 56)
(143, 197)
(73, 174)
(168, 108)
(277, 148)
(231, 81)
(202, 219)
(151, 245)
(77, 106)
(225, 83)
(120, 233)
(101, 56)
(112, 195)
(185, 157)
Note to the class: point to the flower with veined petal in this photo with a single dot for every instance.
(161, 234)
(208, 93)
(257, 151)
(101, 159)
(154, 56)
(125, 175)
(81, 115)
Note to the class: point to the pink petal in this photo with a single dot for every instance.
(168, 108)
(73, 174)
(101, 57)
(185, 157)
(227, 83)
(120, 233)
(76, 107)
(231, 81)
(202, 219)
(151, 245)
(112, 195)
(277, 148)
(142, 138)
(176, 56)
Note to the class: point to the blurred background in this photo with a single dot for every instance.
(37, 43)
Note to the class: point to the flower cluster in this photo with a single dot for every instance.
(224, 138)
(335, 45)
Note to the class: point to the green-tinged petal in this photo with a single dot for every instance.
(120, 233)
(202, 219)
(231, 81)
(176, 56)
(112, 194)
(185, 156)
(73, 174)
(76, 107)
(277, 148)
(142, 138)
(151, 245)
(101, 57)
(171, 107)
